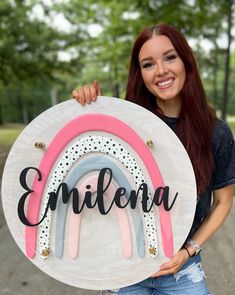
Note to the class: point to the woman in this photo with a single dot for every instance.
(163, 77)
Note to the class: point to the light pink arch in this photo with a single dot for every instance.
(122, 217)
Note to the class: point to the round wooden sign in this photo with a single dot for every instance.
(98, 196)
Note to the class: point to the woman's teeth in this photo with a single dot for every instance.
(165, 83)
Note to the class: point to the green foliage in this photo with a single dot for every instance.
(29, 62)
(29, 47)
(23, 54)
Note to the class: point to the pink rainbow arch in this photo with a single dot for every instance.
(77, 126)
(122, 217)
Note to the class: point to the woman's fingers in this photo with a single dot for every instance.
(173, 265)
(97, 87)
(87, 93)
(81, 96)
(75, 94)
(94, 93)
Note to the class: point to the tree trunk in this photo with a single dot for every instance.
(116, 88)
(22, 105)
(227, 62)
(215, 76)
(25, 116)
(54, 96)
(1, 111)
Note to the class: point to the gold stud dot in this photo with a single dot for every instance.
(39, 145)
(152, 250)
(149, 143)
(45, 253)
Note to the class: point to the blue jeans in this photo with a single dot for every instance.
(190, 280)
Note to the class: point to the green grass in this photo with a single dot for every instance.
(232, 125)
(8, 135)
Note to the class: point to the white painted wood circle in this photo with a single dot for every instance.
(101, 263)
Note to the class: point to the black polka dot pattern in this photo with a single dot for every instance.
(82, 146)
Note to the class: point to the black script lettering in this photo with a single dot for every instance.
(52, 201)
(88, 198)
(120, 192)
(101, 190)
(162, 195)
(135, 194)
(53, 197)
(21, 204)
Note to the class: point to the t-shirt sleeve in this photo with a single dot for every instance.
(224, 156)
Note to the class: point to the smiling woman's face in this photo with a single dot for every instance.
(162, 69)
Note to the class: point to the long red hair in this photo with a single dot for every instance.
(195, 124)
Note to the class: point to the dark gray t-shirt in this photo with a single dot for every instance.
(224, 172)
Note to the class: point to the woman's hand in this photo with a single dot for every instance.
(222, 203)
(174, 265)
(87, 93)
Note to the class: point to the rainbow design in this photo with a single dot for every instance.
(77, 127)
(79, 170)
(84, 146)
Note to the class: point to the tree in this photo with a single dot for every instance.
(29, 47)
(28, 52)
(230, 5)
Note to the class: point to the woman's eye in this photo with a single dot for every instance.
(170, 57)
(147, 65)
